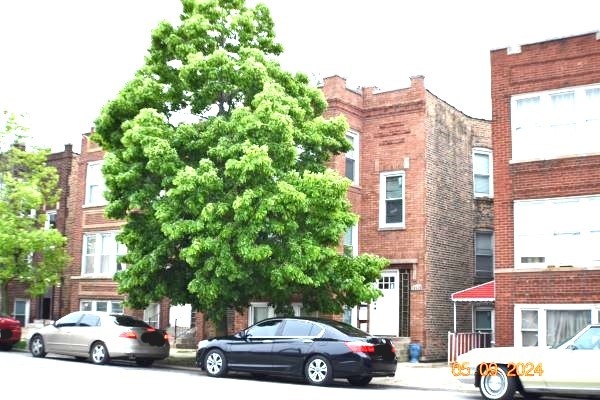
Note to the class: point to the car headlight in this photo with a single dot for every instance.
(202, 344)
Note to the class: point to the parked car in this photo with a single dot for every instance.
(100, 337)
(10, 332)
(317, 350)
(570, 368)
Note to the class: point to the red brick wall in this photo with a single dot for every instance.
(542, 66)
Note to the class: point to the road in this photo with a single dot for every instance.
(63, 378)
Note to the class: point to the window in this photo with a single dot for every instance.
(69, 320)
(351, 241)
(50, 220)
(352, 158)
(300, 328)
(482, 173)
(551, 324)
(557, 232)
(100, 252)
(482, 320)
(262, 310)
(391, 199)
(529, 327)
(90, 320)
(152, 314)
(264, 329)
(484, 255)
(590, 340)
(94, 185)
(21, 311)
(110, 306)
(556, 123)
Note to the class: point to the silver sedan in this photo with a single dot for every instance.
(100, 337)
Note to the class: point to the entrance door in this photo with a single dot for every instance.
(384, 312)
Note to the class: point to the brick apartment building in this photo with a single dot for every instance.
(546, 138)
(50, 305)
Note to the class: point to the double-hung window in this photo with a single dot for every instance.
(391, 199)
(94, 185)
(484, 254)
(351, 241)
(352, 158)
(111, 306)
(482, 173)
(100, 252)
(50, 220)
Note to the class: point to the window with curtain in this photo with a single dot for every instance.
(101, 251)
(529, 327)
(562, 325)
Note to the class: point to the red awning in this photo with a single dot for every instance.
(484, 292)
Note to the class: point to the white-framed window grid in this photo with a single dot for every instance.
(100, 253)
(351, 241)
(352, 158)
(483, 319)
(260, 310)
(94, 185)
(484, 253)
(110, 306)
(557, 232)
(50, 220)
(531, 321)
(21, 308)
(392, 202)
(555, 123)
(483, 177)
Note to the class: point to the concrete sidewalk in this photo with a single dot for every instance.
(424, 376)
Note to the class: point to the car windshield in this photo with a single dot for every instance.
(347, 329)
(125, 320)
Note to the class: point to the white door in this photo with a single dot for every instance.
(384, 313)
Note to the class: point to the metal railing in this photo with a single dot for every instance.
(460, 343)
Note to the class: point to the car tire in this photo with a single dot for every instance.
(99, 353)
(37, 348)
(144, 362)
(318, 371)
(499, 386)
(359, 380)
(215, 363)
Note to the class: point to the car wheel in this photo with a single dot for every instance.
(99, 353)
(215, 363)
(36, 346)
(359, 380)
(144, 362)
(318, 371)
(499, 386)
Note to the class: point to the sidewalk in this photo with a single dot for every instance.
(424, 376)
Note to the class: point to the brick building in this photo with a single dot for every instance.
(49, 306)
(546, 138)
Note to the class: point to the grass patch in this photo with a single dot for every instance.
(21, 345)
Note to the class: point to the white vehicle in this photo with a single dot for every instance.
(570, 368)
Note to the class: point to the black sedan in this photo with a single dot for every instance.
(318, 350)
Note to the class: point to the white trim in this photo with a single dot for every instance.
(94, 305)
(541, 309)
(354, 230)
(47, 222)
(355, 156)
(382, 200)
(490, 175)
(101, 186)
(112, 267)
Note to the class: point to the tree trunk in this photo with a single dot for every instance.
(4, 298)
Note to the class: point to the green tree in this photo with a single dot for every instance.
(29, 253)
(236, 203)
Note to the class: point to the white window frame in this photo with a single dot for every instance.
(354, 154)
(382, 200)
(90, 180)
(27, 309)
(113, 258)
(488, 153)
(545, 120)
(539, 246)
(297, 307)
(109, 306)
(354, 232)
(47, 223)
(541, 309)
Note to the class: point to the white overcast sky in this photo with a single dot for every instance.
(62, 60)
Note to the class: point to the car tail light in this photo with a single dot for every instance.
(128, 335)
(360, 347)
(150, 329)
(166, 336)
